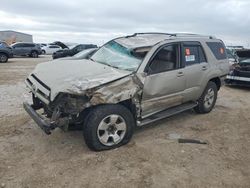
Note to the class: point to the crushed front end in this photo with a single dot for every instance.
(239, 74)
(48, 115)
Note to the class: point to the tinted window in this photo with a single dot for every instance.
(26, 45)
(18, 45)
(230, 54)
(218, 50)
(165, 60)
(54, 47)
(243, 53)
(202, 55)
(191, 55)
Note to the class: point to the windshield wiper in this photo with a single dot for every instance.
(108, 64)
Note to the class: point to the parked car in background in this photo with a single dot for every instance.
(26, 49)
(58, 43)
(50, 49)
(242, 54)
(72, 51)
(6, 52)
(42, 44)
(85, 54)
(233, 59)
(130, 81)
(240, 72)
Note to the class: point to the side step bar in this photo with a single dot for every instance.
(167, 113)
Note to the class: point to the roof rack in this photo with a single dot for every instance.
(173, 35)
(192, 35)
(149, 33)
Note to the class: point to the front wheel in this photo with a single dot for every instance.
(108, 127)
(208, 99)
(3, 58)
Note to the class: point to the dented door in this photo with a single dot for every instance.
(162, 91)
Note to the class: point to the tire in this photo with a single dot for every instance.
(108, 127)
(34, 54)
(208, 99)
(43, 52)
(3, 58)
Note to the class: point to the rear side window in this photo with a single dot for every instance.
(28, 45)
(193, 54)
(54, 47)
(218, 50)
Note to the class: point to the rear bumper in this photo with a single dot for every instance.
(43, 124)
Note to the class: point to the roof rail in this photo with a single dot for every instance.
(149, 33)
(173, 35)
(192, 35)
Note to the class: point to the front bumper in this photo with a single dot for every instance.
(43, 124)
(237, 80)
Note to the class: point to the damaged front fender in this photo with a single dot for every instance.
(117, 91)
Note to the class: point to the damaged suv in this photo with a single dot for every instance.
(130, 81)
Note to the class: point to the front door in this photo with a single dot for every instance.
(165, 83)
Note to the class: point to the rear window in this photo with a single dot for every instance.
(218, 50)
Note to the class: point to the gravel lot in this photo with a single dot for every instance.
(154, 158)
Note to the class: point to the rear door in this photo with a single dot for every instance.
(18, 49)
(26, 49)
(196, 69)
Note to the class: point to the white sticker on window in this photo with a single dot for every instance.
(190, 58)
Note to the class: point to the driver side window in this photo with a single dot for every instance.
(166, 59)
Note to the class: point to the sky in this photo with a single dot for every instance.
(97, 21)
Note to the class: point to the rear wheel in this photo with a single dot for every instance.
(3, 58)
(34, 54)
(208, 99)
(108, 126)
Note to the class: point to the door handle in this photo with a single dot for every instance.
(204, 68)
(180, 74)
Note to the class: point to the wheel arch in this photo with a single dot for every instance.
(1, 52)
(217, 81)
(34, 51)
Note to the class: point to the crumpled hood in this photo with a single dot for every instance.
(75, 76)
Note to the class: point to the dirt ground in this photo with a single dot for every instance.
(153, 158)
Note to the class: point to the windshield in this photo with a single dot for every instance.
(117, 56)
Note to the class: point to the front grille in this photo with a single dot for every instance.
(40, 82)
(38, 88)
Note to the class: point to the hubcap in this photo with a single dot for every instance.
(3, 58)
(209, 98)
(111, 130)
(34, 54)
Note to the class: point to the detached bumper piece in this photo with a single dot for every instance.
(43, 124)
